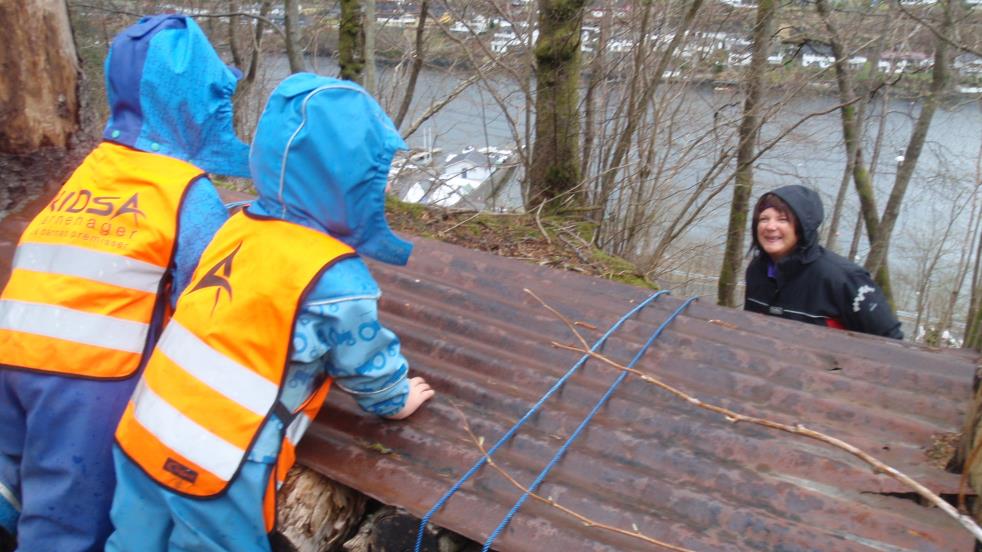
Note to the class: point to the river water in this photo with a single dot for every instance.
(813, 154)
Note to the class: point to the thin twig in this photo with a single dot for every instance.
(587, 522)
(797, 429)
(538, 223)
(465, 221)
(576, 250)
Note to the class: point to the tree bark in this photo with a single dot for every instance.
(418, 57)
(351, 41)
(973, 322)
(627, 136)
(850, 128)
(368, 24)
(291, 24)
(39, 84)
(554, 177)
(596, 78)
(876, 261)
(744, 180)
(246, 101)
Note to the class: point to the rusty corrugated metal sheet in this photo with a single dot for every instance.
(648, 461)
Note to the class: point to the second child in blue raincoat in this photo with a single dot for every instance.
(281, 305)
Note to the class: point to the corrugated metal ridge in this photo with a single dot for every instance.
(678, 473)
(675, 472)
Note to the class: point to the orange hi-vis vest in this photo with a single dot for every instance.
(89, 271)
(217, 372)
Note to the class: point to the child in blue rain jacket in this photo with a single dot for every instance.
(170, 95)
(319, 160)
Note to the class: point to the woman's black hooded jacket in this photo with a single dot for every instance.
(814, 285)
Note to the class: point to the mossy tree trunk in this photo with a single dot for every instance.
(554, 177)
(744, 178)
(876, 262)
(351, 41)
(852, 116)
(39, 84)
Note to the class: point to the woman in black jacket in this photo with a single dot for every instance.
(794, 277)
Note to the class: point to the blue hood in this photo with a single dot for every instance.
(320, 157)
(170, 93)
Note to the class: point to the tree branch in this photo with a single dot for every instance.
(796, 429)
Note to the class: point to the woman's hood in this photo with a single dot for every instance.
(170, 93)
(320, 157)
(807, 207)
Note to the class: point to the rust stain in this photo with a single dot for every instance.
(649, 463)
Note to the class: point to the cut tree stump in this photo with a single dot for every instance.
(314, 513)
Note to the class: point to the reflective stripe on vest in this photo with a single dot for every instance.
(216, 374)
(87, 273)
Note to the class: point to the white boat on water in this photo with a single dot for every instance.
(474, 178)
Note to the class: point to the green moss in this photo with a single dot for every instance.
(623, 271)
(393, 205)
(520, 236)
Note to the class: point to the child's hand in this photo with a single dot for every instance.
(419, 393)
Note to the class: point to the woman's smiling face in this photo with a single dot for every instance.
(776, 233)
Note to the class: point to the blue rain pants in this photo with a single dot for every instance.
(150, 518)
(56, 437)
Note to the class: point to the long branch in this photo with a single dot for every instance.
(438, 105)
(797, 429)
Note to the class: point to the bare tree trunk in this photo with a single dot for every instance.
(407, 98)
(850, 128)
(973, 322)
(291, 23)
(924, 279)
(864, 180)
(369, 25)
(244, 121)
(840, 198)
(749, 128)
(854, 146)
(39, 84)
(233, 36)
(350, 41)
(597, 67)
(876, 260)
(968, 244)
(555, 172)
(857, 234)
(627, 135)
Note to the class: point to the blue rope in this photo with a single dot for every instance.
(596, 408)
(559, 383)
